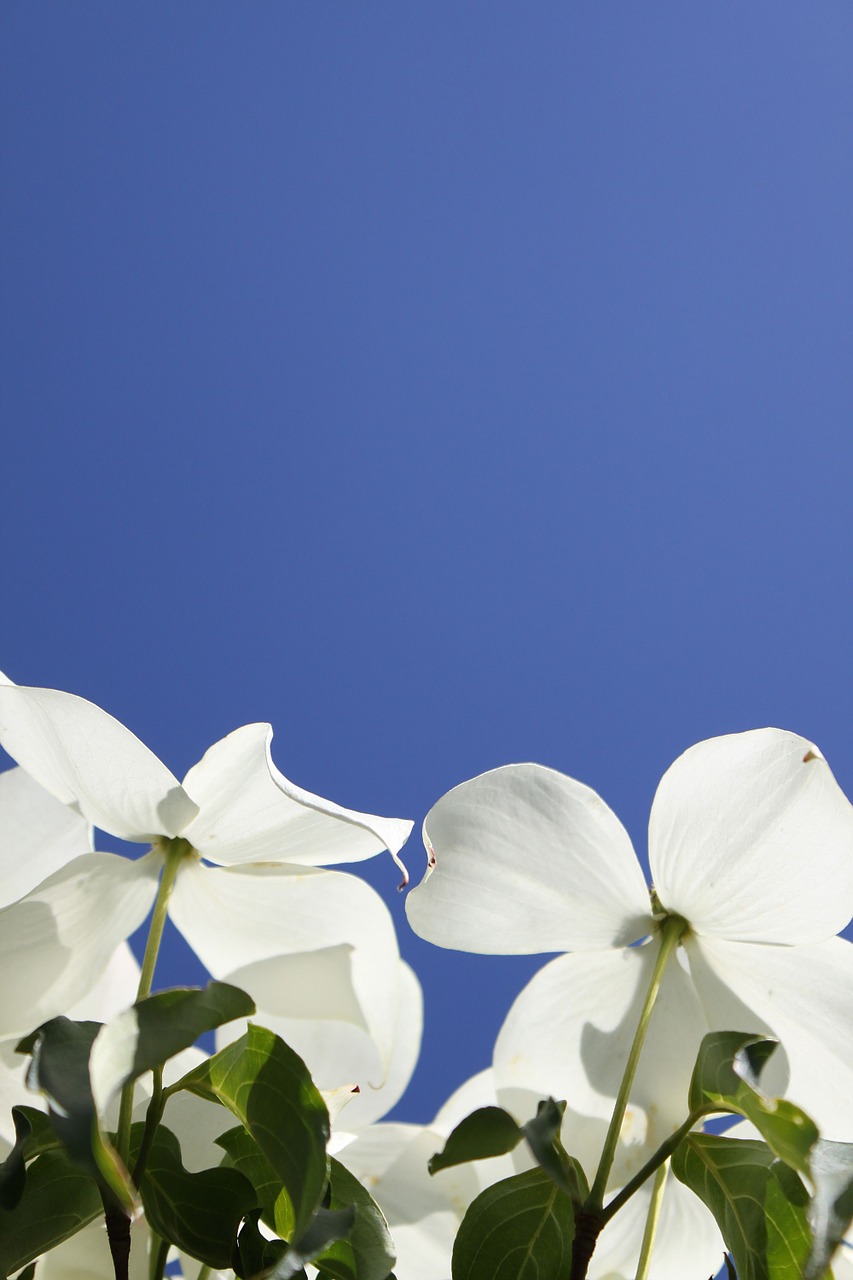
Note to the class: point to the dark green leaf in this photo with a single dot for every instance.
(543, 1138)
(489, 1131)
(268, 1088)
(726, 1077)
(198, 1212)
(58, 1199)
(244, 1154)
(253, 1254)
(13, 1169)
(831, 1209)
(28, 1273)
(518, 1229)
(759, 1203)
(327, 1226)
(155, 1029)
(60, 1070)
(368, 1251)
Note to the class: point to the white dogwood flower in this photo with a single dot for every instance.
(268, 894)
(750, 842)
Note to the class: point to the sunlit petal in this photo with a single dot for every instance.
(87, 759)
(251, 812)
(86, 1255)
(56, 941)
(339, 1053)
(329, 934)
(569, 1033)
(38, 834)
(687, 1242)
(751, 838)
(524, 859)
(804, 996)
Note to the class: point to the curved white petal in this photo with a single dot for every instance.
(338, 1053)
(423, 1212)
(751, 838)
(114, 990)
(477, 1091)
(250, 812)
(38, 834)
(56, 941)
(13, 1091)
(87, 759)
(802, 995)
(569, 1033)
(687, 1241)
(328, 936)
(522, 860)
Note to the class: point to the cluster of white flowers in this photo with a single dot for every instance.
(750, 845)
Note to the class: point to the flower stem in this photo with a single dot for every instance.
(157, 1257)
(652, 1219)
(174, 852)
(663, 1153)
(671, 932)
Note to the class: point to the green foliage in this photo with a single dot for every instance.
(759, 1202)
(58, 1198)
(367, 1252)
(519, 1229)
(199, 1212)
(726, 1077)
(268, 1088)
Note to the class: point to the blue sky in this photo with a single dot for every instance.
(447, 384)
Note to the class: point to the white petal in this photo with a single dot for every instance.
(86, 1255)
(423, 1213)
(56, 941)
(85, 758)
(338, 1053)
(569, 1033)
(687, 1241)
(477, 1091)
(331, 935)
(13, 1091)
(38, 834)
(251, 812)
(114, 990)
(524, 859)
(803, 995)
(751, 838)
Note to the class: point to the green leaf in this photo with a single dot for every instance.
(198, 1212)
(13, 1169)
(726, 1077)
(268, 1088)
(831, 1210)
(253, 1254)
(367, 1253)
(60, 1070)
(487, 1132)
(518, 1229)
(58, 1199)
(244, 1154)
(543, 1138)
(327, 1226)
(155, 1029)
(758, 1200)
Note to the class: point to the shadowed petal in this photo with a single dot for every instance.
(56, 941)
(330, 935)
(38, 834)
(569, 1033)
(87, 759)
(251, 812)
(804, 996)
(524, 860)
(339, 1053)
(751, 838)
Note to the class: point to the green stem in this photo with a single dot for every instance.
(652, 1219)
(663, 1153)
(671, 932)
(203, 1273)
(174, 852)
(152, 1120)
(157, 1257)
